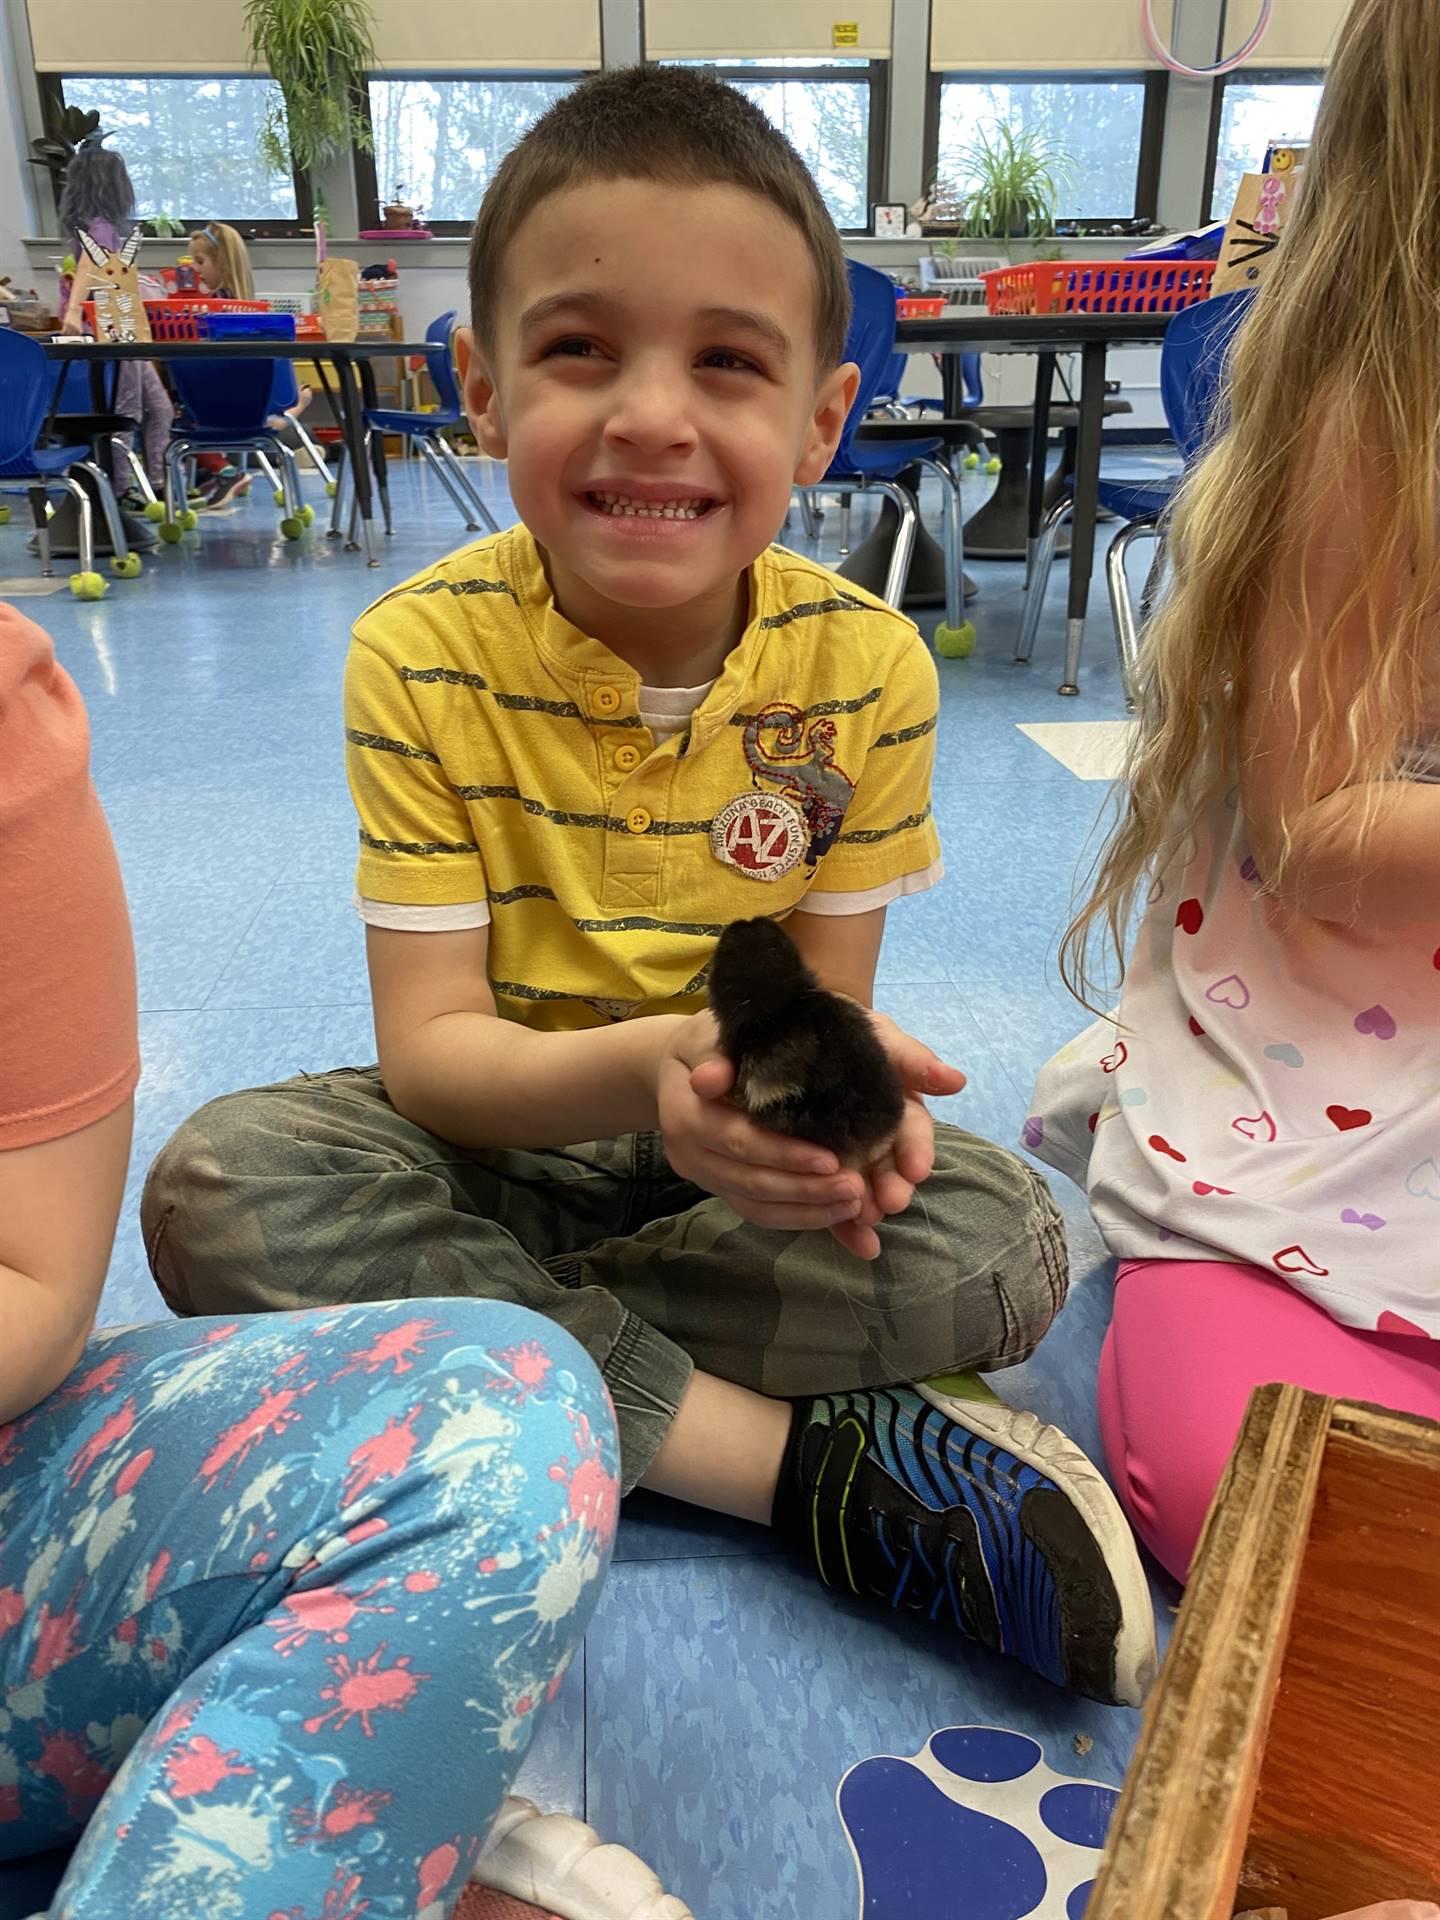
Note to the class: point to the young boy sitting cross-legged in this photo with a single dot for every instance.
(578, 751)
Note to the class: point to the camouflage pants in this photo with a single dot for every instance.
(317, 1192)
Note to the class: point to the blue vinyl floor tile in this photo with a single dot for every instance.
(722, 1693)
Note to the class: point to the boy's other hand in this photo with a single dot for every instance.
(774, 1180)
(891, 1180)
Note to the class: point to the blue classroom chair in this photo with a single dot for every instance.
(26, 385)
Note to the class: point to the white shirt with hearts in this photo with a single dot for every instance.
(1267, 1092)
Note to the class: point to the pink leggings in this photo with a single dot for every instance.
(1189, 1341)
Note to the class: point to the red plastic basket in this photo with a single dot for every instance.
(919, 306)
(179, 319)
(1098, 286)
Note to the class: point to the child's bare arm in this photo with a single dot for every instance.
(1388, 876)
(454, 1067)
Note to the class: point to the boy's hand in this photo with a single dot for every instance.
(774, 1180)
(890, 1181)
(769, 1178)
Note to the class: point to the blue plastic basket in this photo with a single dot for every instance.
(248, 326)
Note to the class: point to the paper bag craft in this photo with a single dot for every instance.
(1263, 206)
(337, 291)
(112, 282)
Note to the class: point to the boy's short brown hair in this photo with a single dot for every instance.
(676, 126)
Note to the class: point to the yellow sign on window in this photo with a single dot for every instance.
(845, 33)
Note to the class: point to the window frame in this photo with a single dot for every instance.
(52, 100)
(1156, 83)
(367, 180)
(1252, 77)
(866, 70)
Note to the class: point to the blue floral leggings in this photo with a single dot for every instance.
(281, 1599)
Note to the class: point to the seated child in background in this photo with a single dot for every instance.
(222, 263)
(1258, 1126)
(578, 750)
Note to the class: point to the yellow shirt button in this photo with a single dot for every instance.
(627, 758)
(637, 820)
(607, 700)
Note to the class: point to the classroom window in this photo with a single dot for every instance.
(1254, 111)
(831, 112)
(191, 143)
(1107, 127)
(443, 137)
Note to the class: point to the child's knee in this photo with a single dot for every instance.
(1000, 1229)
(196, 1223)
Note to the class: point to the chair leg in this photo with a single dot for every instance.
(122, 447)
(809, 517)
(1122, 607)
(87, 522)
(437, 466)
(954, 542)
(456, 466)
(844, 525)
(174, 481)
(109, 506)
(339, 494)
(289, 479)
(1040, 579)
(899, 569)
(267, 467)
(316, 452)
(40, 513)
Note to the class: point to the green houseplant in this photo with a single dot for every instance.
(318, 53)
(1014, 181)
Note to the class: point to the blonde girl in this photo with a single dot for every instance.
(1258, 1124)
(222, 262)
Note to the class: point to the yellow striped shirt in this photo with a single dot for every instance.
(496, 754)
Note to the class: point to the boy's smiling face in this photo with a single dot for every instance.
(652, 383)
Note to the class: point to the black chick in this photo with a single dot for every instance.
(806, 1062)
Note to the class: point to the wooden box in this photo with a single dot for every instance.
(1289, 1759)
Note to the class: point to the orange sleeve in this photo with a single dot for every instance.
(69, 1049)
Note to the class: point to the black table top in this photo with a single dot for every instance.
(967, 329)
(233, 349)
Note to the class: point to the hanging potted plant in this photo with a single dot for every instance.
(318, 53)
(1013, 183)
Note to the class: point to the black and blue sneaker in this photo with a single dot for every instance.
(941, 1501)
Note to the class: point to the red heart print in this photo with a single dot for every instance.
(1255, 1126)
(1092, 1121)
(1190, 915)
(1162, 1145)
(1203, 1187)
(1397, 1323)
(1113, 1062)
(1348, 1118)
(1296, 1260)
(1196, 1028)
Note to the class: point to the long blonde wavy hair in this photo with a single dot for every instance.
(1341, 349)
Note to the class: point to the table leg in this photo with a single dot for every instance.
(352, 406)
(1087, 502)
(378, 459)
(1039, 455)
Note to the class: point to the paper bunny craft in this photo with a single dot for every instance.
(112, 281)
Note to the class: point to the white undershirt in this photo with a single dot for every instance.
(666, 711)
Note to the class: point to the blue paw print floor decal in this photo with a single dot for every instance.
(974, 1827)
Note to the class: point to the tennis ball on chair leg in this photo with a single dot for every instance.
(154, 510)
(955, 643)
(87, 586)
(126, 569)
